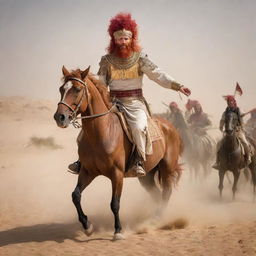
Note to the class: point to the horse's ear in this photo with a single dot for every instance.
(85, 73)
(65, 71)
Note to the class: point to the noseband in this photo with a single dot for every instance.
(85, 88)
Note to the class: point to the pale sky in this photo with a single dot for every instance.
(207, 45)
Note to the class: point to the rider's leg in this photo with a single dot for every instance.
(245, 143)
(138, 127)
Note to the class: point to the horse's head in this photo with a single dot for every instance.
(231, 122)
(74, 96)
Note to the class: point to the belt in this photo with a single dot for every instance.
(128, 93)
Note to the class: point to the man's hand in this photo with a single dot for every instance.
(185, 91)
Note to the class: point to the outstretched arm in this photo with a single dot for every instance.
(160, 77)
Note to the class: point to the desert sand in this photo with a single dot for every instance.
(37, 216)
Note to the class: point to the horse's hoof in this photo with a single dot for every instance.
(118, 236)
(89, 230)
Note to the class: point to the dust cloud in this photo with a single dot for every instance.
(36, 187)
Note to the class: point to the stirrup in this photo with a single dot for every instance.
(135, 171)
(74, 167)
(216, 166)
(140, 172)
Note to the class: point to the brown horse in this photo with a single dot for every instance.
(104, 149)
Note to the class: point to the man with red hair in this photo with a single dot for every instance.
(232, 106)
(122, 70)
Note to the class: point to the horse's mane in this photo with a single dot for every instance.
(101, 87)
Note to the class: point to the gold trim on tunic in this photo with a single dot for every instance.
(130, 73)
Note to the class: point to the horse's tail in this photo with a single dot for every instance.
(177, 170)
(177, 174)
(181, 148)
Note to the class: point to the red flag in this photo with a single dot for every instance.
(238, 89)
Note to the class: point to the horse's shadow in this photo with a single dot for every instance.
(57, 232)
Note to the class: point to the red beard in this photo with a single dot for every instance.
(124, 51)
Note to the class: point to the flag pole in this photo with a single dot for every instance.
(235, 91)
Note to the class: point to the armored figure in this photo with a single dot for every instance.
(232, 107)
(198, 120)
(122, 70)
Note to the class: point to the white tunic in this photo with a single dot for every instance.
(135, 109)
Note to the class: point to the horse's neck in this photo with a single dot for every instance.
(231, 141)
(96, 126)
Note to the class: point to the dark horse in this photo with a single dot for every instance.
(104, 148)
(198, 150)
(230, 155)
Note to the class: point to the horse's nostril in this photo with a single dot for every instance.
(59, 117)
(62, 118)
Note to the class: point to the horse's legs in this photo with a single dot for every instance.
(206, 168)
(253, 174)
(236, 174)
(117, 186)
(221, 178)
(166, 174)
(246, 174)
(84, 180)
(148, 182)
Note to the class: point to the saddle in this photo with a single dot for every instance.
(153, 127)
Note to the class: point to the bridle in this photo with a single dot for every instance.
(73, 116)
(85, 88)
(230, 123)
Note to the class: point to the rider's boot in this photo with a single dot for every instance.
(247, 155)
(75, 167)
(137, 169)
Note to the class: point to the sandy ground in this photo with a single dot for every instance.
(37, 216)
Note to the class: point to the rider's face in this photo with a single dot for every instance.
(231, 103)
(123, 41)
(197, 108)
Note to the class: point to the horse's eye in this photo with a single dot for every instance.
(77, 89)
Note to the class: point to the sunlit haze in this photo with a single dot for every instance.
(206, 45)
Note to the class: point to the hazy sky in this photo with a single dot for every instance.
(207, 45)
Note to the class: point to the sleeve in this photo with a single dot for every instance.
(103, 70)
(157, 75)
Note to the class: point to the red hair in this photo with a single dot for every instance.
(119, 22)
(230, 98)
